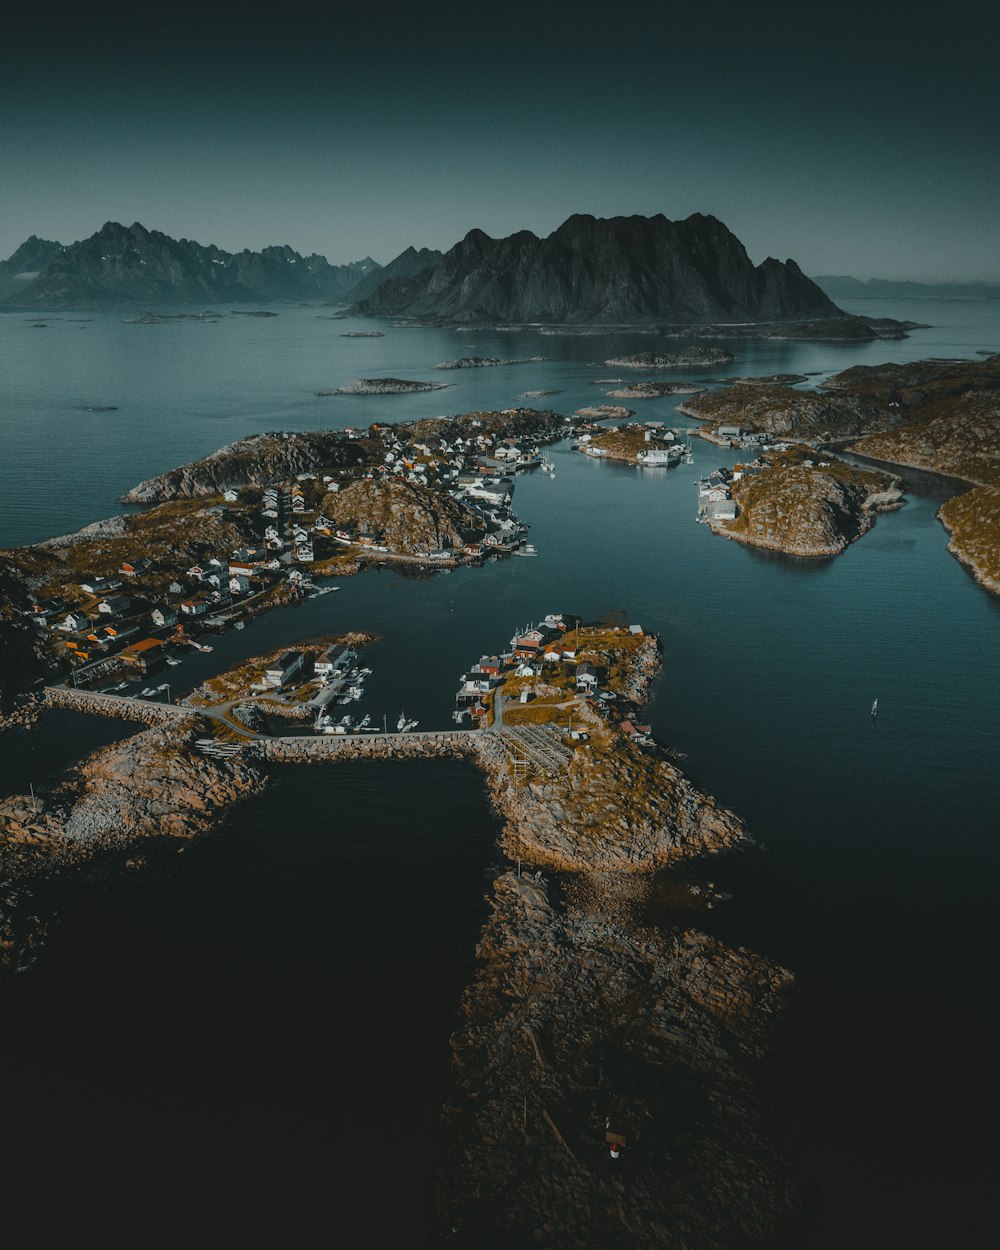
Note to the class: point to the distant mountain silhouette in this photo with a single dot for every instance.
(604, 270)
(407, 264)
(122, 265)
(885, 288)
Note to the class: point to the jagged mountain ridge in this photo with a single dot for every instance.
(625, 270)
(121, 265)
(26, 263)
(408, 264)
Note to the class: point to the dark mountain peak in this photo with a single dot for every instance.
(627, 270)
(33, 254)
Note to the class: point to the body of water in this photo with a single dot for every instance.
(882, 845)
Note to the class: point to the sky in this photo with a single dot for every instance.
(854, 139)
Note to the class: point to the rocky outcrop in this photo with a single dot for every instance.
(121, 265)
(577, 1022)
(407, 518)
(808, 509)
(604, 412)
(614, 808)
(782, 411)
(153, 784)
(261, 459)
(484, 362)
(655, 390)
(656, 360)
(385, 386)
(618, 270)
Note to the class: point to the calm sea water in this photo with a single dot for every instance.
(882, 854)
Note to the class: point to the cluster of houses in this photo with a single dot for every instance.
(477, 470)
(328, 666)
(737, 437)
(534, 651)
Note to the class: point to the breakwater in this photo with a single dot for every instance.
(147, 713)
(289, 750)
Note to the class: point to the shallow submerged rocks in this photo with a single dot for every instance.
(577, 1021)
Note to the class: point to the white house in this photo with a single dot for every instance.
(335, 659)
(283, 668)
(163, 616)
(239, 585)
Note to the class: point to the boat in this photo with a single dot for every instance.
(408, 725)
(401, 722)
(875, 709)
(367, 721)
(173, 661)
(239, 625)
(527, 549)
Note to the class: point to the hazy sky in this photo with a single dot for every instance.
(854, 140)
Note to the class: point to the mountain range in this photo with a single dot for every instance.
(624, 270)
(884, 288)
(127, 265)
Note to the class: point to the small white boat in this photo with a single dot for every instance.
(173, 661)
(527, 550)
(401, 722)
(239, 625)
(875, 709)
(367, 721)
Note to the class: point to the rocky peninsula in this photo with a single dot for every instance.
(805, 507)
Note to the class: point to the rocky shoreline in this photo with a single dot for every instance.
(580, 1018)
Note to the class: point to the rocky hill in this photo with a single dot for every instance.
(624, 270)
(411, 519)
(805, 508)
(261, 459)
(127, 265)
(782, 411)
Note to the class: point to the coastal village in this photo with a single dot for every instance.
(411, 496)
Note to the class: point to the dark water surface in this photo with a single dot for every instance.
(249, 1047)
(225, 1020)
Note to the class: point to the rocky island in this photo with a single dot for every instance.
(655, 390)
(384, 386)
(693, 356)
(485, 362)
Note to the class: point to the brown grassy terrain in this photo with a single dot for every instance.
(973, 521)
(803, 509)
